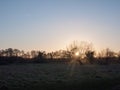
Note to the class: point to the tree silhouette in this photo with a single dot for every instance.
(90, 56)
(85, 50)
(41, 56)
(16, 52)
(34, 53)
(9, 52)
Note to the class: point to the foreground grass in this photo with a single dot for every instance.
(59, 76)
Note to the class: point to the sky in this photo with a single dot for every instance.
(51, 25)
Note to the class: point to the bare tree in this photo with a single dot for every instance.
(90, 56)
(80, 48)
(9, 52)
(118, 55)
(34, 53)
(16, 52)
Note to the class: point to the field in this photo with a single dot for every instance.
(53, 76)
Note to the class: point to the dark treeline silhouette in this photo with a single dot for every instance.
(85, 55)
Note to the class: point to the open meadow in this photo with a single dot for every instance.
(53, 76)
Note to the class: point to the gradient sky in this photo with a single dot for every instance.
(53, 24)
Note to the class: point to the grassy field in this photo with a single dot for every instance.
(59, 76)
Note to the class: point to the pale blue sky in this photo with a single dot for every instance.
(53, 24)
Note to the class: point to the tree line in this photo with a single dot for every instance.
(85, 55)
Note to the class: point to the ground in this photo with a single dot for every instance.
(53, 76)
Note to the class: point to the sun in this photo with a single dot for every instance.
(77, 54)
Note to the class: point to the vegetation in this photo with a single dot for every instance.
(84, 50)
(52, 76)
(78, 67)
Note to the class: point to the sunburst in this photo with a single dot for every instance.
(77, 54)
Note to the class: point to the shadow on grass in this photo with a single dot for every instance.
(102, 84)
